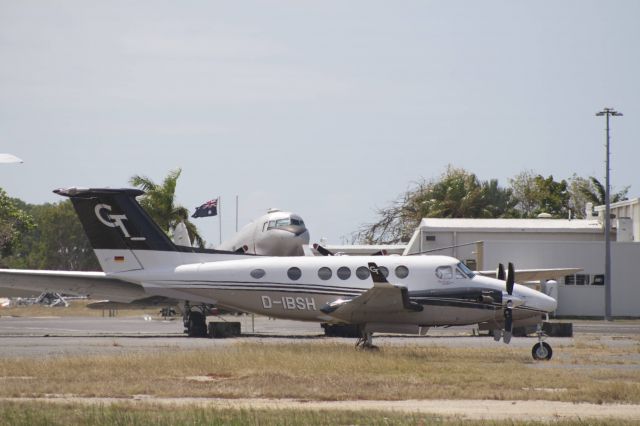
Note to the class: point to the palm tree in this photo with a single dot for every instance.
(159, 202)
(595, 192)
(459, 193)
(583, 191)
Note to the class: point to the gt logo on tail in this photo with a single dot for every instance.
(113, 220)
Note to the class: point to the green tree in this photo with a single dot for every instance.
(159, 202)
(499, 202)
(523, 188)
(460, 193)
(536, 194)
(457, 194)
(552, 196)
(57, 242)
(583, 191)
(14, 221)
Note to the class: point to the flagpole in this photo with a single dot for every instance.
(220, 218)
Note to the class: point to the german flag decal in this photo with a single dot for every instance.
(118, 258)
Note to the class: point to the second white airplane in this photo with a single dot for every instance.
(276, 233)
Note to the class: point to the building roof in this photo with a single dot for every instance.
(355, 249)
(624, 203)
(512, 225)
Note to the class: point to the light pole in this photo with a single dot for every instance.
(607, 112)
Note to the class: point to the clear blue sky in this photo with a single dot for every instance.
(329, 109)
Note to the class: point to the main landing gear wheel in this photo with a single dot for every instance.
(197, 324)
(541, 351)
(365, 342)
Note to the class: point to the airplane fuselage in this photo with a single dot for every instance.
(299, 287)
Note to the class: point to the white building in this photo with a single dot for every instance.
(547, 243)
(626, 219)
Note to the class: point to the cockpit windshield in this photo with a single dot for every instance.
(281, 223)
(464, 270)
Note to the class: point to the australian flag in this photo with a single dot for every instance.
(210, 208)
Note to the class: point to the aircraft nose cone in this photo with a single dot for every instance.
(547, 303)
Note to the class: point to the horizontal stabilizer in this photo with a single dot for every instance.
(91, 284)
(525, 275)
(152, 302)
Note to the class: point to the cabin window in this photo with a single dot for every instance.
(344, 273)
(430, 238)
(294, 273)
(444, 272)
(384, 271)
(598, 279)
(402, 272)
(324, 273)
(471, 264)
(363, 272)
(257, 273)
(465, 270)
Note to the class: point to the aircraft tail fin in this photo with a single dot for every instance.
(116, 225)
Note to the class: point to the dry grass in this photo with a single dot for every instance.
(333, 371)
(29, 414)
(76, 308)
(39, 413)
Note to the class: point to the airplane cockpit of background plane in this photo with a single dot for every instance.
(277, 233)
(293, 220)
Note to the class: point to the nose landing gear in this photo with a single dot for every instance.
(541, 351)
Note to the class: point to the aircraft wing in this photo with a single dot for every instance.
(92, 284)
(372, 305)
(524, 275)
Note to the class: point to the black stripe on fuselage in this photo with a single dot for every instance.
(460, 302)
(253, 286)
(269, 284)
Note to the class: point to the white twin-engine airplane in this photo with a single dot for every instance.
(402, 294)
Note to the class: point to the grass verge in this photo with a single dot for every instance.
(332, 371)
(38, 413)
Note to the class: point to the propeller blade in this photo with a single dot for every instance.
(508, 309)
(500, 273)
(510, 279)
(508, 319)
(508, 324)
